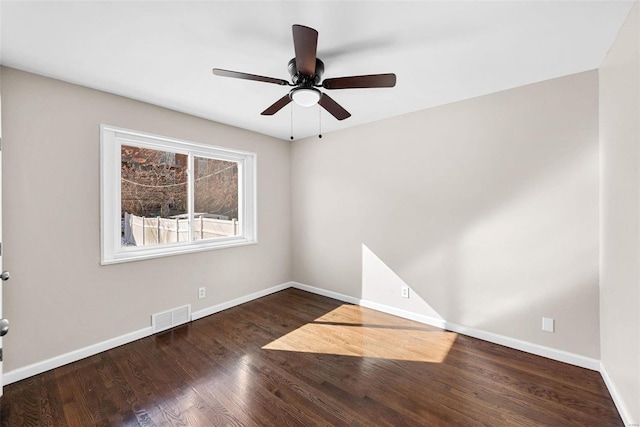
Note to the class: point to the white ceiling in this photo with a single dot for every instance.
(441, 51)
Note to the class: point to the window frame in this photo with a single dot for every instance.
(111, 140)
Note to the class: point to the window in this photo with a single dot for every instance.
(161, 196)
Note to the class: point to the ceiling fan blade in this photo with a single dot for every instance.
(246, 76)
(305, 43)
(333, 107)
(355, 82)
(277, 106)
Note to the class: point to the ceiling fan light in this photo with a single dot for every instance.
(305, 97)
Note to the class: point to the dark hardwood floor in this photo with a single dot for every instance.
(295, 358)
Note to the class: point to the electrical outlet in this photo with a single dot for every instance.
(548, 324)
(202, 292)
(404, 292)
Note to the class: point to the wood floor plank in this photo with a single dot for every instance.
(298, 359)
(307, 407)
(364, 396)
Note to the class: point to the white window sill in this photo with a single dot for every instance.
(139, 254)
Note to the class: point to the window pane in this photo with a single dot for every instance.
(154, 197)
(215, 198)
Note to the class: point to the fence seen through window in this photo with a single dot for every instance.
(155, 197)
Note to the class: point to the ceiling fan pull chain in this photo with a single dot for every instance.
(319, 122)
(292, 122)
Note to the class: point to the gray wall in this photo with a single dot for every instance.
(59, 298)
(620, 207)
(486, 208)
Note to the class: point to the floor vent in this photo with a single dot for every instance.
(169, 319)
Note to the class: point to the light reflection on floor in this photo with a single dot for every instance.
(351, 330)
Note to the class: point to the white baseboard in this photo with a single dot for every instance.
(428, 320)
(617, 399)
(73, 356)
(237, 301)
(325, 293)
(548, 352)
(555, 354)
(528, 347)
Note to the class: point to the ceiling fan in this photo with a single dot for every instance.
(306, 72)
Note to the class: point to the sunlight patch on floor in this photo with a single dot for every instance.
(351, 330)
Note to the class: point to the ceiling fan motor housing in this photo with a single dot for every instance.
(300, 79)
